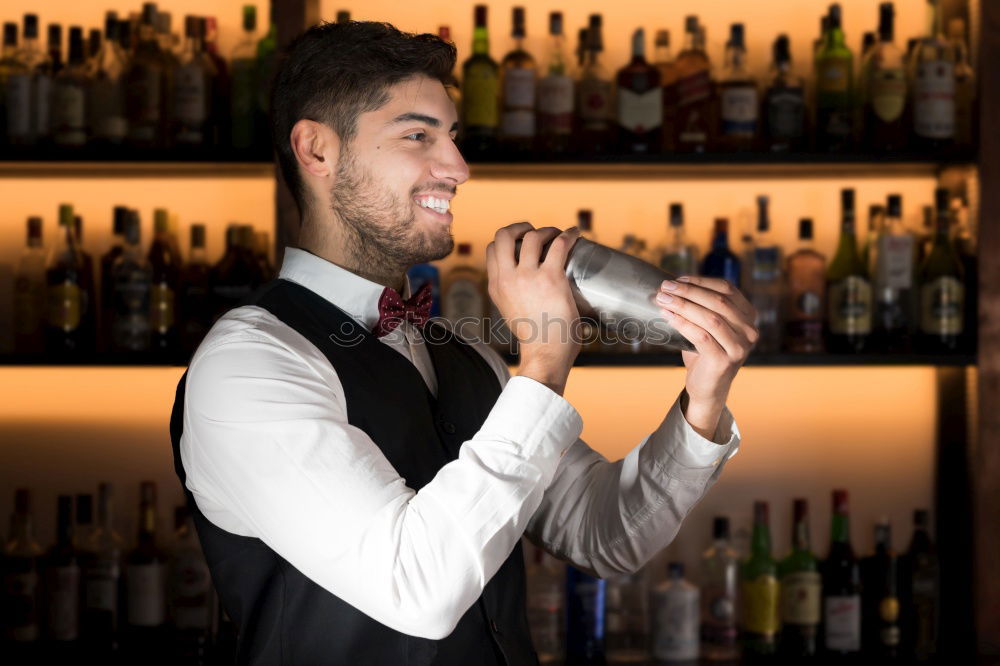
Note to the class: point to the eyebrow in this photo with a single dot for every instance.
(420, 118)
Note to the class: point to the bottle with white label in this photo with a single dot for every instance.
(639, 102)
(190, 596)
(934, 87)
(674, 612)
(893, 280)
(546, 607)
(555, 96)
(841, 632)
(627, 613)
(942, 291)
(593, 104)
(19, 605)
(69, 97)
(463, 302)
(518, 74)
(719, 577)
(102, 571)
(145, 585)
(61, 596)
(800, 591)
(739, 105)
(766, 282)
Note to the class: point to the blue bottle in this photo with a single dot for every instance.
(720, 261)
(419, 275)
(585, 597)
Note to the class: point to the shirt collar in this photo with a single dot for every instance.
(355, 295)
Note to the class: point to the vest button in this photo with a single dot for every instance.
(448, 427)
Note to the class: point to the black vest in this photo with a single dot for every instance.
(283, 617)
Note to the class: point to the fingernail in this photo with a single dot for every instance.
(664, 298)
(684, 279)
(669, 285)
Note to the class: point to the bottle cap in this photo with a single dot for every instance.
(763, 219)
(691, 23)
(834, 17)
(806, 228)
(761, 510)
(720, 527)
(584, 219)
(921, 519)
(941, 199)
(65, 215)
(198, 235)
(840, 501)
(480, 16)
(84, 508)
(34, 228)
(10, 34)
(800, 509)
(676, 214)
(343, 16)
(161, 221)
(147, 491)
(894, 205)
(464, 249)
(736, 35)
(517, 22)
(555, 23)
(675, 569)
(781, 50)
(662, 38)
(31, 26)
(249, 18)
(721, 225)
(444, 33)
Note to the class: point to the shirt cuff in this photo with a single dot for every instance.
(540, 421)
(690, 449)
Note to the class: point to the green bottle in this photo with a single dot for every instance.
(942, 294)
(759, 589)
(480, 92)
(849, 293)
(800, 590)
(834, 87)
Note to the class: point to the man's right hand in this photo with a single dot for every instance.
(535, 299)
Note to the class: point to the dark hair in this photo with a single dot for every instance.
(334, 72)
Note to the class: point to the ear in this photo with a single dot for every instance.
(316, 148)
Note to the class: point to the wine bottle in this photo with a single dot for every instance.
(518, 75)
(61, 596)
(885, 94)
(894, 250)
(739, 106)
(480, 93)
(759, 589)
(145, 569)
(555, 96)
(849, 301)
(720, 261)
(942, 293)
(834, 86)
(880, 610)
(805, 294)
(784, 116)
(697, 103)
(841, 588)
(640, 102)
(719, 592)
(594, 94)
(920, 591)
(800, 591)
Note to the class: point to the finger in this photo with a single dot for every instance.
(716, 302)
(704, 343)
(559, 249)
(720, 286)
(531, 249)
(491, 261)
(735, 344)
(504, 240)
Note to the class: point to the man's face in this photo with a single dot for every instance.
(396, 178)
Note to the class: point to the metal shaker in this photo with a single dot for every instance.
(618, 291)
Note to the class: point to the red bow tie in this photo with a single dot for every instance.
(393, 310)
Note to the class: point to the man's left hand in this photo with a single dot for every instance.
(720, 322)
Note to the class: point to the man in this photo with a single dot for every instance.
(360, 492)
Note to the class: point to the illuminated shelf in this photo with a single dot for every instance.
(135, 169)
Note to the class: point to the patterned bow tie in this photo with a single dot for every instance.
(393, 310)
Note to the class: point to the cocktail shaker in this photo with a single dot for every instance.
(618, 291)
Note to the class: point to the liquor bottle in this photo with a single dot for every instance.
(677, 256)
(193, 88)
(190, 596)
(800, 591)
(480, 93)
(83, 526)
(849, 298)
(88, 317)
(147, 85)
(880, 635)
(105, 308)
(106, 94)
(784, 108)
(675, 606)
(69, 97)
(941, 283)
(664, 63)
(40, 93)
(546, 608)
(966, 246)
(934, 87)
(640, 102)
(93, 47)
(234, 277)
(594, 94)
(463, 301)
(243, 63)
(61, 589)
(21, 612)
(555, 96)
(145, 571)
(965, 85)
(759, 589)
(893, 280)
(696, 114)
(102, 570)
(626, 619)
(885, 92)
(15, 89)
(518, 74)
(131, 280)
(66, 297)
(267, 59)
(165, 264)
(720, 262)
(834, 85)
(766, 282)
(719, 580)
(220, 85)
(585, 599)
(869, 248)
(451, 86)
(194, 294)
(841, 588)
(262, 252)
(29, 292)
(739, 106)
(920, 590)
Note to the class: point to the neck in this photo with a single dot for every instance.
(335, 242)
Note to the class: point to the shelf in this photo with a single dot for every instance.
(136, 169)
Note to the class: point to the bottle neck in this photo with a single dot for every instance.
(760, 540)
(840, 529)
(147, 524)
(557, 62)
(480, 41)
(64, 533)
(800, 535)
(21, 528)
(720, 241)
(690, 40)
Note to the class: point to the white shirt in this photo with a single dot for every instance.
(269, 453)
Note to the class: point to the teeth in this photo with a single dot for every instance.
(435, 204)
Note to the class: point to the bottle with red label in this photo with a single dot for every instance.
(934, 88)
(696, 115)
(518, 75)
(841, 632)
(640, 102)
(555, 95)
(594, 94)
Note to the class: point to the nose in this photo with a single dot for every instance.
(449, 163)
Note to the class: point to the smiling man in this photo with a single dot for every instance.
(360, 478)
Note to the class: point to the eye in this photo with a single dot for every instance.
(416, 136)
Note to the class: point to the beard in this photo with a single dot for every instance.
(380, 228)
